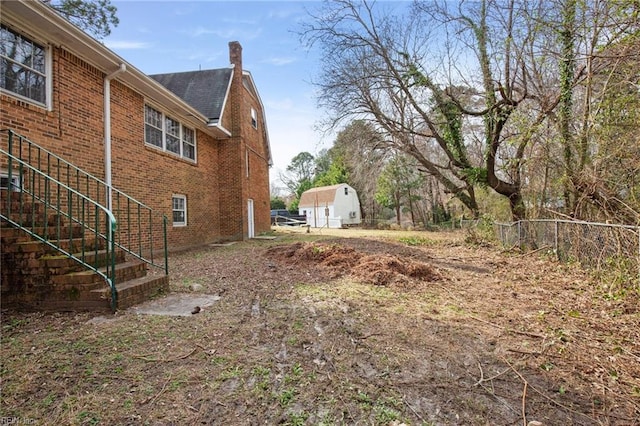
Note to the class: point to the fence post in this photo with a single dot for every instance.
(10, 170)
(166, 252)
(555, 243)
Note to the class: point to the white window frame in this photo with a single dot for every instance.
(188, 139)
(254, 118)
(171, 129)
(182, 198)
(15, 180)
(47, 73)
(246, 160)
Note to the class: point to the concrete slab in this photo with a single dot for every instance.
(102, 320)
(177, 304)
(222, 244)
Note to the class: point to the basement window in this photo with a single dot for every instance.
(15, 182)
(179, 207)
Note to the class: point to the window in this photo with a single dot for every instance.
(173, 135)
(153, 127)
(246, 160)
(254, 118)
(15, 181)
(168, 134)
(23, 66)
(188, 143)
(179, 207)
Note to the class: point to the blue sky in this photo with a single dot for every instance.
(173, 36)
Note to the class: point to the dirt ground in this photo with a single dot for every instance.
(355, 328)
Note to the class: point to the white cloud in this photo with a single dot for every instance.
(126, 44)
(291, 131)
(285, 104)
(227, 34)
(239, 21)
(205, 57)
(284, 13)
(279, 61)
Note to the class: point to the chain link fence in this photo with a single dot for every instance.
(594, 245)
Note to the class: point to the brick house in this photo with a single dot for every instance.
(192, 146)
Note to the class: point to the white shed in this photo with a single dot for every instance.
(332, 206)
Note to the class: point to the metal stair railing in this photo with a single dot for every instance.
(69, 211)
(141, 232)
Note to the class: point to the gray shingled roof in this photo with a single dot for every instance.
(204, 90)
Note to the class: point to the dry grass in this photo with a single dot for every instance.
(342, 327)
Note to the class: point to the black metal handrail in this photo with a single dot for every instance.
(56, 199)
(140, 232)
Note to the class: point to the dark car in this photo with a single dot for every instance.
(284, 217)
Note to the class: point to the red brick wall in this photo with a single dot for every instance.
(216, 187)
(74, 130)
(258, 165)
(239, 183)
(232, 202)
(153, 176)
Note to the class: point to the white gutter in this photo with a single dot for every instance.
(107, 131)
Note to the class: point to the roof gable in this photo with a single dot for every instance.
(249, 85)
(205, 90)
(320, 196)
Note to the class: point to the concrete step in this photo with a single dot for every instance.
(88, 280)
(49, 232)
(135, 291)
(82, 285)
(61, 264)
(14, 197)
(130, 293)
(25, 205)
(51, 281)
(29, 219)
(26, 244)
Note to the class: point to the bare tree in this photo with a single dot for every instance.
(360, 148)
(499, 94)
(607, 49)
(94, 16)
(299, 174)
(437, 75)
(588, 49)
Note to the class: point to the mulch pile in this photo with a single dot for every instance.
(340, 261)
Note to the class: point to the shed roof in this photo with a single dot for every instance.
(320, 196)
(205, 90)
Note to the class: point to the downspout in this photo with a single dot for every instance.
(107, 132)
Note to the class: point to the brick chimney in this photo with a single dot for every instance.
(233, 202)
(235, 54)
